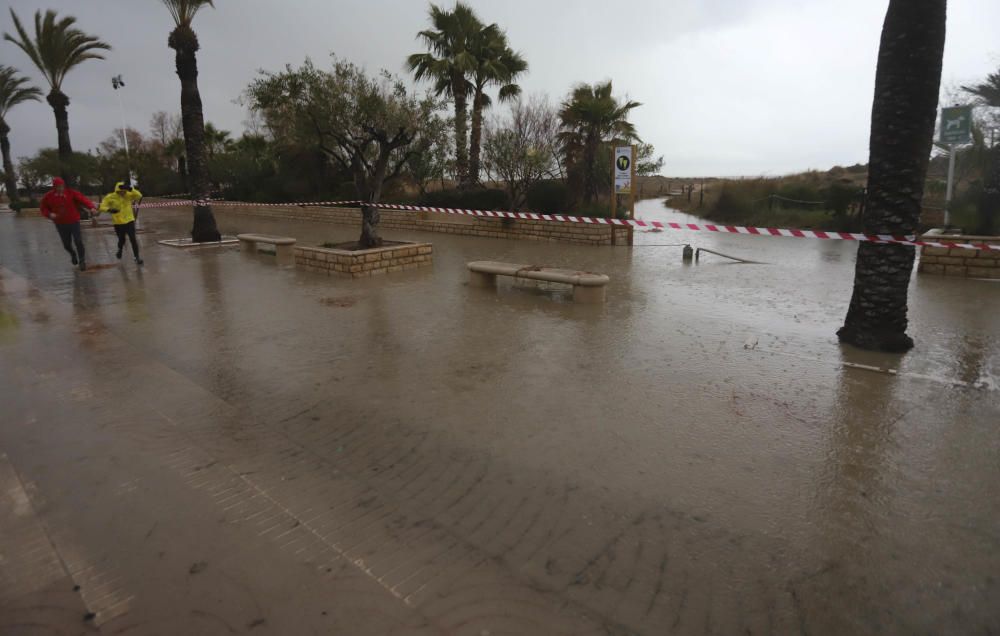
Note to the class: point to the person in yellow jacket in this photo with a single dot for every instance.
(119, 204)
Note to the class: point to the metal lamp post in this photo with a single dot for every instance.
(117, 82)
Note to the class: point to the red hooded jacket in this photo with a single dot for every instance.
(64, 208)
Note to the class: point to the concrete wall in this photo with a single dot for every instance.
(446, 223)
(358, 264)
(961, 262)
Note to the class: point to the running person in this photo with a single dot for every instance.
(119, 204)
(62, 206)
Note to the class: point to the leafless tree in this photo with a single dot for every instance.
(523, 148)
(165, 127)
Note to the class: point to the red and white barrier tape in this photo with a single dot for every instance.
(636, 223)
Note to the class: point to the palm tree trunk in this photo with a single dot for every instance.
(589, 164)
(476, 136)
(204, 228)
(907, 82)
(461, 136)
(9, 178)
(59, 103)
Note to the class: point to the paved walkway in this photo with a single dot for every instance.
(216, 445)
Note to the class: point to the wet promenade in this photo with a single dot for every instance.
(213, 445)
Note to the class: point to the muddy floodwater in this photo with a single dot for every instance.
(213, 444)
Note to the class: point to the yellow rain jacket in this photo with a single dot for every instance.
(119, 204)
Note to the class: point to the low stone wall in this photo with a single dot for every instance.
(361, 263)
(447, 223)
(960, 261)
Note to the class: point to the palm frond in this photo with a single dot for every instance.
(57, 46)
(14, 90)
(184, 11)
(988, 92)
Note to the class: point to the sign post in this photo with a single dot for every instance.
(623, 170)
(956, 129)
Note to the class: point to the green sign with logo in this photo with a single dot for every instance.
(956, 125)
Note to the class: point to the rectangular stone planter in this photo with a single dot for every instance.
(361, 263)
(956, 261)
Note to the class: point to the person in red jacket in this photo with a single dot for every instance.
(62, 205)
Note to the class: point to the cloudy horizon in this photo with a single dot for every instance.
(729, 87)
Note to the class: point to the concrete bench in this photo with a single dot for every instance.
(284, 246)
(587, 287)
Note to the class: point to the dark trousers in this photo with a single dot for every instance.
(127, 229)
(71, 232)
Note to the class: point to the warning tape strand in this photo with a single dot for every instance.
(587, 220)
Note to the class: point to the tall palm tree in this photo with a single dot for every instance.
(590, 117)
(907, 84)
(450, 63)
(57, 48)
(988, 94)
(496, 65)
(184, 42)
(13, 91)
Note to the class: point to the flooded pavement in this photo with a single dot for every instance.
(214, 444)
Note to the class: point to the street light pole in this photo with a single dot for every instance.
(117, 82)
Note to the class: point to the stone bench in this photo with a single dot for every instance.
(587, 287)
(284, 246)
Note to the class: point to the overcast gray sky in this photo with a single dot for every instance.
(729, 87)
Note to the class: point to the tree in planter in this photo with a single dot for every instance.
(907, 84)
(57, 48)
(13, 91)
(184, 42)
(368, 126)
(523, 150)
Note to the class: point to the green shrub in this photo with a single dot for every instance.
(476, 199)
(548, 197)
(21, 204)
(734, 204)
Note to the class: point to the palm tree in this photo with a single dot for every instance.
(590, 117)
(988, 94)
(184, 42)
(907, 83)
(449, 64)
(496, 65)
(57, 48)
(13, 91)
(217, 140)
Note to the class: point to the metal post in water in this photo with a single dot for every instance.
(688, 255)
